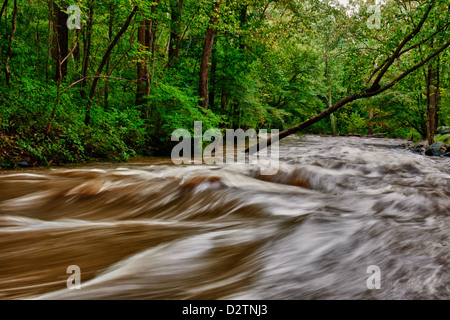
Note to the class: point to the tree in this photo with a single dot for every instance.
(87, 49)
(432, 94)
(206, 56)
(373, 85)
(147, 39)
(4, 6)
(176, 12)
(248, 64)
(61, 41)
(142, 65)
(10, 41)
(103, 63)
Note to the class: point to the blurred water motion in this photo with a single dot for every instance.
(151, 230)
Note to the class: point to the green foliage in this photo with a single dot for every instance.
(175, 108)
(444, 138)
(273, 66)
(115, 136)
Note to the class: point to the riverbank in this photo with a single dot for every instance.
(439, 149)
(15, 153)
(37, 150)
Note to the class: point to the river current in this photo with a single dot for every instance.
(151, 230)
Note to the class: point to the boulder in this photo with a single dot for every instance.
(443, 130)
(408, 146)
(422, 144)
(22, 164)
(420, 148)
(435, 150)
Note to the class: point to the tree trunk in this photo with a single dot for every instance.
(61, 41)
(8, 52)
(243, 22)
(142, 67)
(223, 100)
(176, 9)
(371, 123)
(76, 51)
(432, 94)
(145, 70)
(437, 94)
(111, 46)
(204, 66)
(5, 4)
(212, 91)
(151, 70)
(49, 40)
(87, 51)
(110, 35)
(330, 100)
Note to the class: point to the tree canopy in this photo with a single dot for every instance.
(134, 71)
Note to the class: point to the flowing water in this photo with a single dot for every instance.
(151, 230)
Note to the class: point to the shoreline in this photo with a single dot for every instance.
(438, 149)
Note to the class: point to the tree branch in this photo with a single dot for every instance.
(103, 63)
(399, 48)
(363, 94)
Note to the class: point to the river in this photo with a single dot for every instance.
(151, 230)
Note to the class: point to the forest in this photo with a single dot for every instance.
(111, 80)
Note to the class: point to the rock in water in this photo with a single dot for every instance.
(435, 150)
(22, 164)
(420, 148)
(443, 130)
(422, 144)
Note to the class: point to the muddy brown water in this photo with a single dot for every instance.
(151, 230)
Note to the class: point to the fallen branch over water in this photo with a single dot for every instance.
(375, 88)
